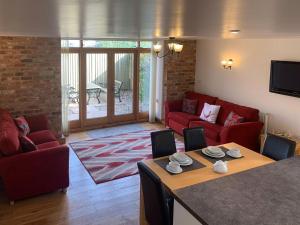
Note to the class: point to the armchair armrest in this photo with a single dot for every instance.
(245, 134)
(38, 122)
(172, 106)
(36, 172)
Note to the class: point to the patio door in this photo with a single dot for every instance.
(96, 89)
(125, 86)
(110, 87)
(106, 86)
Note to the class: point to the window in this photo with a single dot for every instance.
(146, 44)
(109, 44)
(70, 43)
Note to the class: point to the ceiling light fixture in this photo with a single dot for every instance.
(234, 31)
(173, 48)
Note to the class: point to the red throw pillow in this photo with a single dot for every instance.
(233, 119)
(22, 125)
(27, 144)
(189, 105)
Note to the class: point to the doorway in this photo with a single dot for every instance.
(108, 82)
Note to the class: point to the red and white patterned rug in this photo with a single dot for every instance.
(114, 157)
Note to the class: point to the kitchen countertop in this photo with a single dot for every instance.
(267, 195)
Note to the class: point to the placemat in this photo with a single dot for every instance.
(213, 160)
(164, 161)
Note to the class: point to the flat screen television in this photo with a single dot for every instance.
(285, 78)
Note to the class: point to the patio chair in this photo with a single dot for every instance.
(117, 87)
(73, 95)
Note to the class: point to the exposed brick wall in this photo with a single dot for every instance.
(179, 71)
(30, 77)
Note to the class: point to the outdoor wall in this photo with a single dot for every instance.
(248, 82)
(30, 77)
(179, 71)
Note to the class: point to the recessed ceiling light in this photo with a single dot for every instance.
(234, 31)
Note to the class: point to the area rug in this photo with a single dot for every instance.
(113, 157)
(110, 131)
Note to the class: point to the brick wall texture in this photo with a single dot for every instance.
(179, 71)
(30, 77)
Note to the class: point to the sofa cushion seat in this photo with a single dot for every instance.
(212, 131)
(249, 114)
(51, 144)
(182, 118)
(40, 137)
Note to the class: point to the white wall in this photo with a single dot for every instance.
(248, 82)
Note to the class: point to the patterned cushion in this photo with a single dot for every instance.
(26, 144)
(210, 113)
(189, 105)
(233, 119)
(22, 125)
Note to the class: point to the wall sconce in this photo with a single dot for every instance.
(227, 64)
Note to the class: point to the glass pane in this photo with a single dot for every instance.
(96, 85)
(70, 83)
(124, 73)
(70, 43)
(144, 82)
(109, 44)
(146, 44)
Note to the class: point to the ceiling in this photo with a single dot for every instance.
(147, 19)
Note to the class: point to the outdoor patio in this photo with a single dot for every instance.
(98, 110)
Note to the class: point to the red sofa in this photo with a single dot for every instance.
(245, 134)
(26, 174)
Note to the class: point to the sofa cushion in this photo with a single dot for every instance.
(182, 118)
(201, 99)
(40, 137)
(27, 144)
(233, 119)
(9, 135)
(22, 125)
(46, 145)
(210, 113)
(189, 105)
(249, 114)
(211, 131)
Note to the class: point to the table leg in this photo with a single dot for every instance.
(142, 208)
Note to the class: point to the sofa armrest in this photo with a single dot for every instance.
(36, 172)
(38, 122)
(172, 106)
(245, 134)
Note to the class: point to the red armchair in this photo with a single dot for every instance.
(36, 172)
(246, 133)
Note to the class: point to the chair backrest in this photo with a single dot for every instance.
(118, 85)
(278, 148)
(157, 211)
(163, 143)
(194, 138)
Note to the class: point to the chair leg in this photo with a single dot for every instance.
(120, 98)
(64, 190)
(12, 203)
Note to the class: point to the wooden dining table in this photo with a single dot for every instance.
(172, 183)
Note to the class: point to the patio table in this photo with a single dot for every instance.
(92, 88)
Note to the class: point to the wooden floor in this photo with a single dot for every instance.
(85, 203)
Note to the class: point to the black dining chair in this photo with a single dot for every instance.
(158, 204)
(194, 138)
(163, 143)
(278, 148)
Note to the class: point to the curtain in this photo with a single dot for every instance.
(65, 91)
(152, 95)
